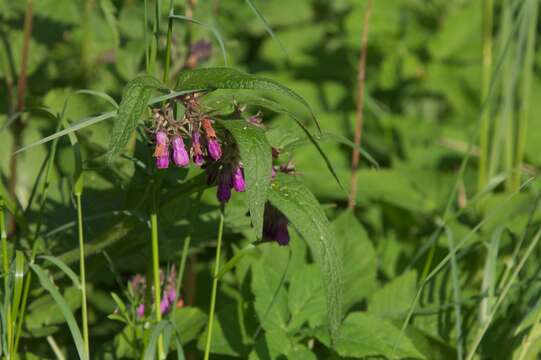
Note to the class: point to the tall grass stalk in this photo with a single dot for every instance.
(5, 266)
(82, 274)
(482, 331)
(525, 91)
(168, 44)
(156, 274)
(486, 70)
(214, 284)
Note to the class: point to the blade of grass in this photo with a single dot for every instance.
(481, 332)
(64, 309)
(212, 29)
(526, 89)
(65, 269)
(456, 293)
(488, 286)
(267, 27)
(214, 284)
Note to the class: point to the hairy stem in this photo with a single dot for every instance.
(356, 155)
(214, 284)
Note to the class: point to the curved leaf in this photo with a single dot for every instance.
(256, 155)
(302, 209)
(64, 309)
(135, 98)
(212, 29)
(65, 268)
(233, 79)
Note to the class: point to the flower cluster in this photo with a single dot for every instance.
(169, 297)
(194, 138)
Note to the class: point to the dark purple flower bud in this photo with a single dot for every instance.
(161, 152)
(224, 186)
(180, 155)
(238, 180)
(275, 225)
(215, 151)
(197, 153)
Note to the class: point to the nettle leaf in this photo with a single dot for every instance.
(229, 78)
(302, 209)
(256, 155)
(273, 106)
(365, 335)
(135, 98)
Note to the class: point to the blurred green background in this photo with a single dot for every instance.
(423, 106)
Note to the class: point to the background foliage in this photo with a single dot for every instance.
(431, 263)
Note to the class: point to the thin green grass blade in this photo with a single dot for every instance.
(99, 94)
(455, 276)
(64, 309)
(165, 327)
(267, 27)
(109, 12)
(482, 331)
(212, 29)
(88, 121)
(235, 260)
(489, 275)
(18, 280)
(65, 269)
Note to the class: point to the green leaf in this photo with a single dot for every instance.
(229, 78)
(256, 155)
(189, 321)
(302, 209)
(135, 97)
(306, 299)
(364, 335)
(166, 327)
(358, 259)
(394, 299)
(64, 309)
(268, 276)
(65, 268)
(278, 108)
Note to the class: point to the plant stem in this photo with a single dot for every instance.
(154, 38)
(18, 127)
(186, 247)
(486, 71)
(156, 273)
(360, 105)
(525, 103)
(5, 265)
(168, 45)
(214, 284)
(82, 274)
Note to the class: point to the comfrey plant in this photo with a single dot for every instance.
(224, 148)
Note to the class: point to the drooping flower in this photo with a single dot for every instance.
(214, 149)
(197, 153)
(238, 179)
(161, 152)
(275, 225)
(180, 155)
(224, 186)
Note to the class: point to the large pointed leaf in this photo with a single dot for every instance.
(303, 210)
(229, 78)
(135, 97)
(256, 155)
